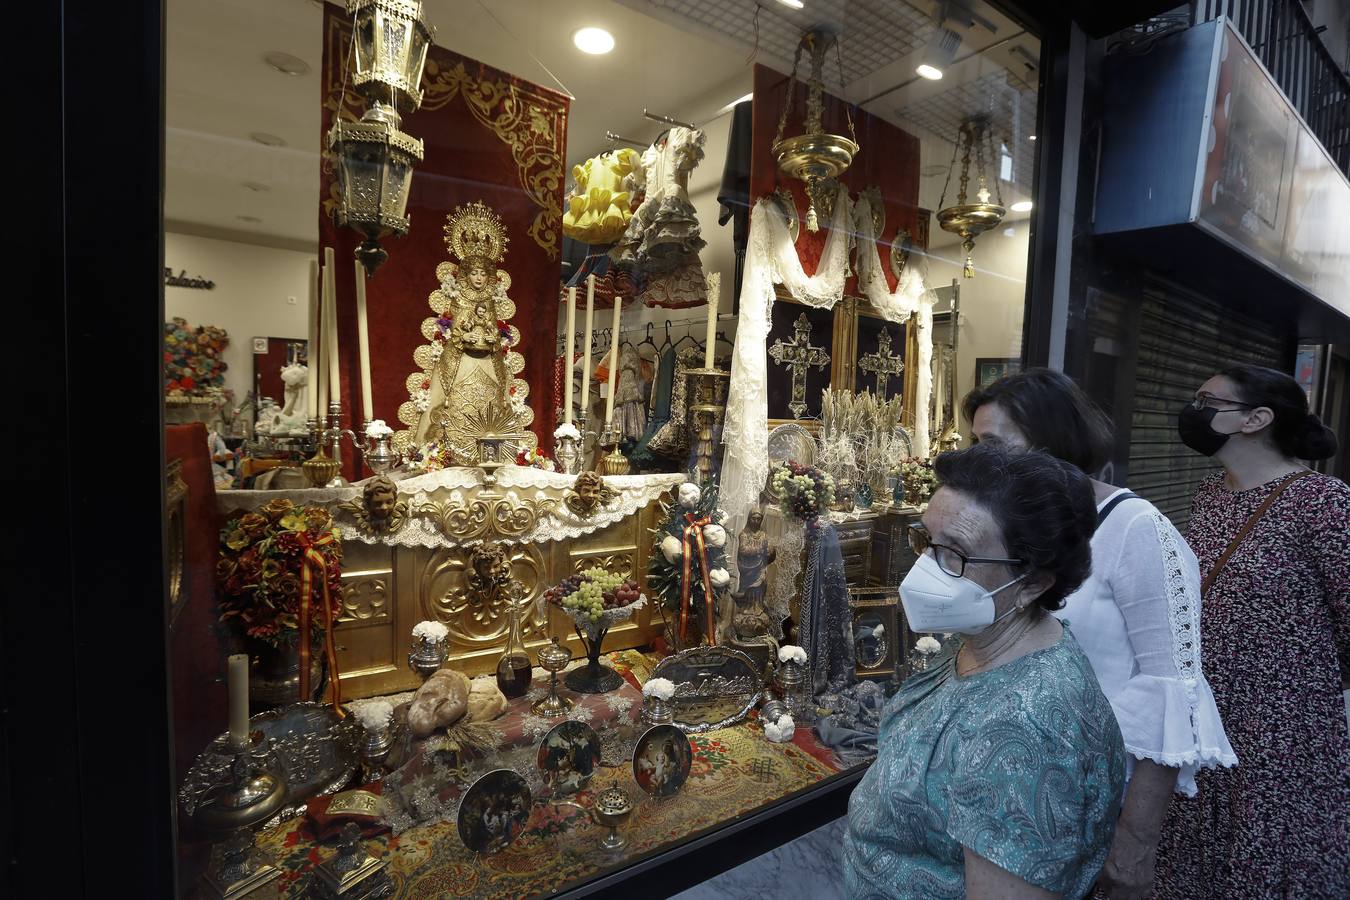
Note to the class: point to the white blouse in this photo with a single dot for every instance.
(1137, 617)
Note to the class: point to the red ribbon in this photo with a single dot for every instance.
(314, 562)
(693, 536)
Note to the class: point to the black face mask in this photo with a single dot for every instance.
(1196, 428)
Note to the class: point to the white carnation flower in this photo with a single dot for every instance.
(672, 548)
(780, 732)
(663, 688)
(377, 429)
(431, 630)
(719, 578)
(715, 536)
(792, 653)
(689, 495)
(568, 430)
(927, 644)
(374, 714)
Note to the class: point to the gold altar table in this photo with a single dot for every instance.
(418, 569)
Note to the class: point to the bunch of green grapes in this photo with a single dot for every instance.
(592, 592)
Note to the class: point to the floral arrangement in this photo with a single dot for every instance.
(694, 525)
(803, 492)
(373, 715)
(781, 730)
(920, 479)
(568, 430)
(661, 688)
(432, 456)
(431, 630)
(928, 645)
(194, 359)
(377, 428)
(264, 556)
(792, 653)
(535, 459)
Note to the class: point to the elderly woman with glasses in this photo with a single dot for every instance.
(1000, 769)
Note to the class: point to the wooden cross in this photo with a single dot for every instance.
(798, 356)
(882, 365)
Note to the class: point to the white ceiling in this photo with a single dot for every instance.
(684, 58)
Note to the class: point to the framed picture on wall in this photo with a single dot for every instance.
(260, 345)
(991, 369)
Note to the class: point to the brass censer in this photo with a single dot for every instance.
(814, 156)
(970, 220)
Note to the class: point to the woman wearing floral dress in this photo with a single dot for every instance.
(1276, 632)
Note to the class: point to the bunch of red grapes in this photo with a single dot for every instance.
(593, 591)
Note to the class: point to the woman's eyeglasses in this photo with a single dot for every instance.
(949, 559)
(1204, 400)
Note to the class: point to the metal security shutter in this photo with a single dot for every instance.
(1183, 340)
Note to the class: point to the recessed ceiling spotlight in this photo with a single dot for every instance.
(286, 63)
(250, 219)
(938, 53)
(595, 41)
(1021, 206)
(267, 140)
(256, 187)
(1031, 137)
(792, 4)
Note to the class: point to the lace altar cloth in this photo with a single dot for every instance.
(428, 787)
(462, 486)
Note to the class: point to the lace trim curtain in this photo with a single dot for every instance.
(771, 258)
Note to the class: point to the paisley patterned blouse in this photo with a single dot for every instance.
(1022, 764)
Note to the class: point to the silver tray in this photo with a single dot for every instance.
(714, 687)
(315, 751)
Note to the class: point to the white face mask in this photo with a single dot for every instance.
(935, 601)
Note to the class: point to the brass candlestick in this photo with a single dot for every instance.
(614, 462)
(707, 417)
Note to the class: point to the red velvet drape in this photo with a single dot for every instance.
(888, 159)
(488, 136)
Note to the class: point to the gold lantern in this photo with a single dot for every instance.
(814, 156)
(969, 220)
(375, 159)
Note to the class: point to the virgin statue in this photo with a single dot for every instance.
(467, 388)
(753, 557)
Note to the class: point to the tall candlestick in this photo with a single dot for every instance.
(363, 343)
(714, 288)
(312, 350)
(330, 314)
(586, 346)
(613, 361)
(238, 684)
(569, 341)
(316, 370)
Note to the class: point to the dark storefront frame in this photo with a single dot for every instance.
(86, 751)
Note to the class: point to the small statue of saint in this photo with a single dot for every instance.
(753, 558)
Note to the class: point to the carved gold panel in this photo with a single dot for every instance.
(473, 623)
(367, 629)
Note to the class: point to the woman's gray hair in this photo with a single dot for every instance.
(1043, 506)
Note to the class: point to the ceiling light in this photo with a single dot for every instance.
(594, 41)
(793, 4)
(1031, 137)
(256, 187)
(1021, 206)
(267, 140)
(249, 219)
(286, 63)
(938, 53)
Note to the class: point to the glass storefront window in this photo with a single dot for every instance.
(383, 419)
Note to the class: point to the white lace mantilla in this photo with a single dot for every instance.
(771, 258)
(461, 486)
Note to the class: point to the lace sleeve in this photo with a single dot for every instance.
(1166, 711)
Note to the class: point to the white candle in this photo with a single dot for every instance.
(586, 346)
(312, 377)
(568, 342)
(363, 344)
(330, 310)
(238, 685)
(613, 361)
(714, 288)
(316, 372)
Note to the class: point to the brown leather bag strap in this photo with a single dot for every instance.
(1247, 530)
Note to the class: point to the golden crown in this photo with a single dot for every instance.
(476, 233)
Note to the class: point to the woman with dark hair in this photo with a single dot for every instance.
(1136, 616)
(1273, 540)
(999, 770)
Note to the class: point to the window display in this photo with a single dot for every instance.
(613, 562)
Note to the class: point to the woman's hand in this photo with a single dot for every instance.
(1128, 873)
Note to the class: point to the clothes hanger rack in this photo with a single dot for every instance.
(657, 117)
(620, 139)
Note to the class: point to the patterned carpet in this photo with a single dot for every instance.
(735, 771)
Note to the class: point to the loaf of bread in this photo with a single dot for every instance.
(442, 700)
